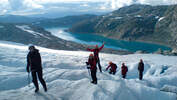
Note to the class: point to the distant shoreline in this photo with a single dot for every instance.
(116, 44)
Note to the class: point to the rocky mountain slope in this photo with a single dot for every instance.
(45, 22)
(63, 21)
(154, 24)
(18, 19)
(28, 34)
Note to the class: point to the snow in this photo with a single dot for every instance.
(161, 18)
(169, 88)
(157, 17)
(29, 30)
(100, 21)
(117, 18)
(138, 16)
(110, 14)
(67, 77)
(60, 33)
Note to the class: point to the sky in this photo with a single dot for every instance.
(33, 7)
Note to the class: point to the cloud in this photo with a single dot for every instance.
(158, 2)
(32, 4)
(28, 7)
(4, 6)
(19, 6)
(85, 5)
(15, 4)
(120, 3)
(115, 4)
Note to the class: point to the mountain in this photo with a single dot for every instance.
(67, 77)
(154, 24)
(46, 22)
(59, 14)
(63, 21)
(18, 19)
(29, 34)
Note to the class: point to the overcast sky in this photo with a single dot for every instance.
(29, 7)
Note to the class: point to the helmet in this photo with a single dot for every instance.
(31, 47)
(110, 62)
(91, 55)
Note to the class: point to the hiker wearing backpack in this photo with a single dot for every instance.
(92, 66)
(96, 54)
(124, 70)
(141, 69)
(112, 67)
(35, 66)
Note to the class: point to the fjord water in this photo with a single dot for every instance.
(93, 39)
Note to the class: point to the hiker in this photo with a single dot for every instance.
(92, 66)
(35, 66)
(112, 69)
(96, 54)
(124, 70)
(141, 69)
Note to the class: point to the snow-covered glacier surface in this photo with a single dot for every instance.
(67, 77)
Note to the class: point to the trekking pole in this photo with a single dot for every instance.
(28, 79)
(89, 72)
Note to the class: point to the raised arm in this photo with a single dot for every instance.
(90, 49)
(101, 47)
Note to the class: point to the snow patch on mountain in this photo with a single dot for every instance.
(161, 18)
(157, 17)
(29, 30)
(60, 33)
(138, 16)
(116, 18)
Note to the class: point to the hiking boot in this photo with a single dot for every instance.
(45, 89)
(36, 90)
(95, 82)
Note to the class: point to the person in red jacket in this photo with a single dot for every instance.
(124, 70)
(96, 54)
(112, 69)
(141, 69)
(92, 63)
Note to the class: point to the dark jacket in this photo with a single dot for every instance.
(34, 61)
(113, 67)
(141, 66)
(124, 70)
(92, 63)
(96, 51)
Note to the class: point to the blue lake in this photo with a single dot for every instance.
(93, 39)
